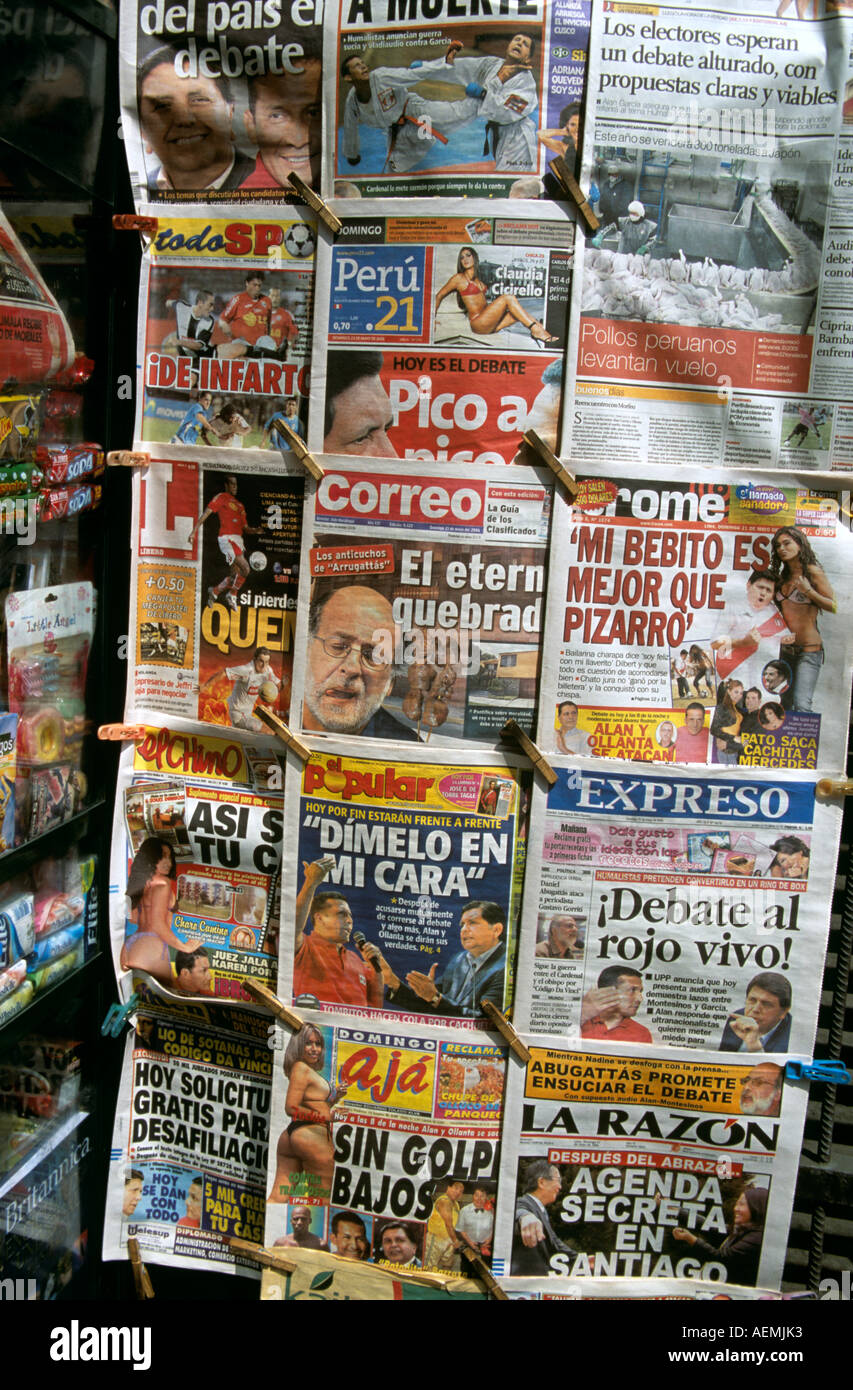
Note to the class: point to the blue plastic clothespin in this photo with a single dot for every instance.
(117, 1016)
(819, 1069)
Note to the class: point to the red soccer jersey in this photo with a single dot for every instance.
(232, 514)
(249, 318)
(282, 326)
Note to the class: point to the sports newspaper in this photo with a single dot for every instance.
(384, 1143)
(215, 540)
(699, 621)
(713, 325)
(221, 99)
(649, 1164)
(712, 889)
(440, 338)
(225, 306)
(451, 99)
(196, 863)
(404, 900)
(447, 572)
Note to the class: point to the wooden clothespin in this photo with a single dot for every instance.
(315, 202)
(141, 1279)
(279, 728)
(575, 192)
(513, 730)
(124, 458)
(835, 786)
(548, 456)
(261, 1256)
(131, 222)
(302, 453)
(264, 996)
(122, 733)
(483, 1273)
(505, 1028)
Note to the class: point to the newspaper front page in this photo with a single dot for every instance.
(709, 322)
(452, 99)
(654, 1165)
(419, 571)
(384, 1144)
(196, 861)
(221, 99)
(688, 910)
(405, 898)
(225, 308)
(440, 338)
(697, 621)
(634, 1290)
(190, 1139)
(216, 541)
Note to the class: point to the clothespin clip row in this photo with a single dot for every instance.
(118, 1015)
(302, 453)
(124, 458)
(132, 222)
(575, 192)
(483, 1273)
(279, 728)
(505, 1028)
(141, 1278)
(829, 1069)
(122, 733)
(323, 211)
(514, 731)
(835, 786)
(548, 456)
(270, 1001)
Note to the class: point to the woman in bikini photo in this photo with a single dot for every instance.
(151, 893)
(491, 316)
(803, 592)
(306, 1146)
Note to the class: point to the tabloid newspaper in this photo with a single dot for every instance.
(190, 1139)
(440, 338)
(415, 857)
(442, 579)
(712, 323)
(659, 1165)
(451, 99)
(319, 1276)
(196, 860)
(221, 99)
(699, 621)
(384, 1144)
(712, 891)
(224, 329)
(215, 541)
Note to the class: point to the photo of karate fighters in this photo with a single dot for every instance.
(468, 104)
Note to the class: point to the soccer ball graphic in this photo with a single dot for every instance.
(258, 560)
(269, 692)
(299, 239)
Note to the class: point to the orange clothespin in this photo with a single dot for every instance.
(144, 1287)
(505, 1028)
(124, 458)
(483, 1273)
(514, 731)
(548, 457)
(835, 786)
(302, 453)
(122, 733)
(132, 222)
(575, 192)
(315, 202)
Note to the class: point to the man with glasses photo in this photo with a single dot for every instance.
(350, 671)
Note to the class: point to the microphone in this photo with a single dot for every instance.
(360, 940)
